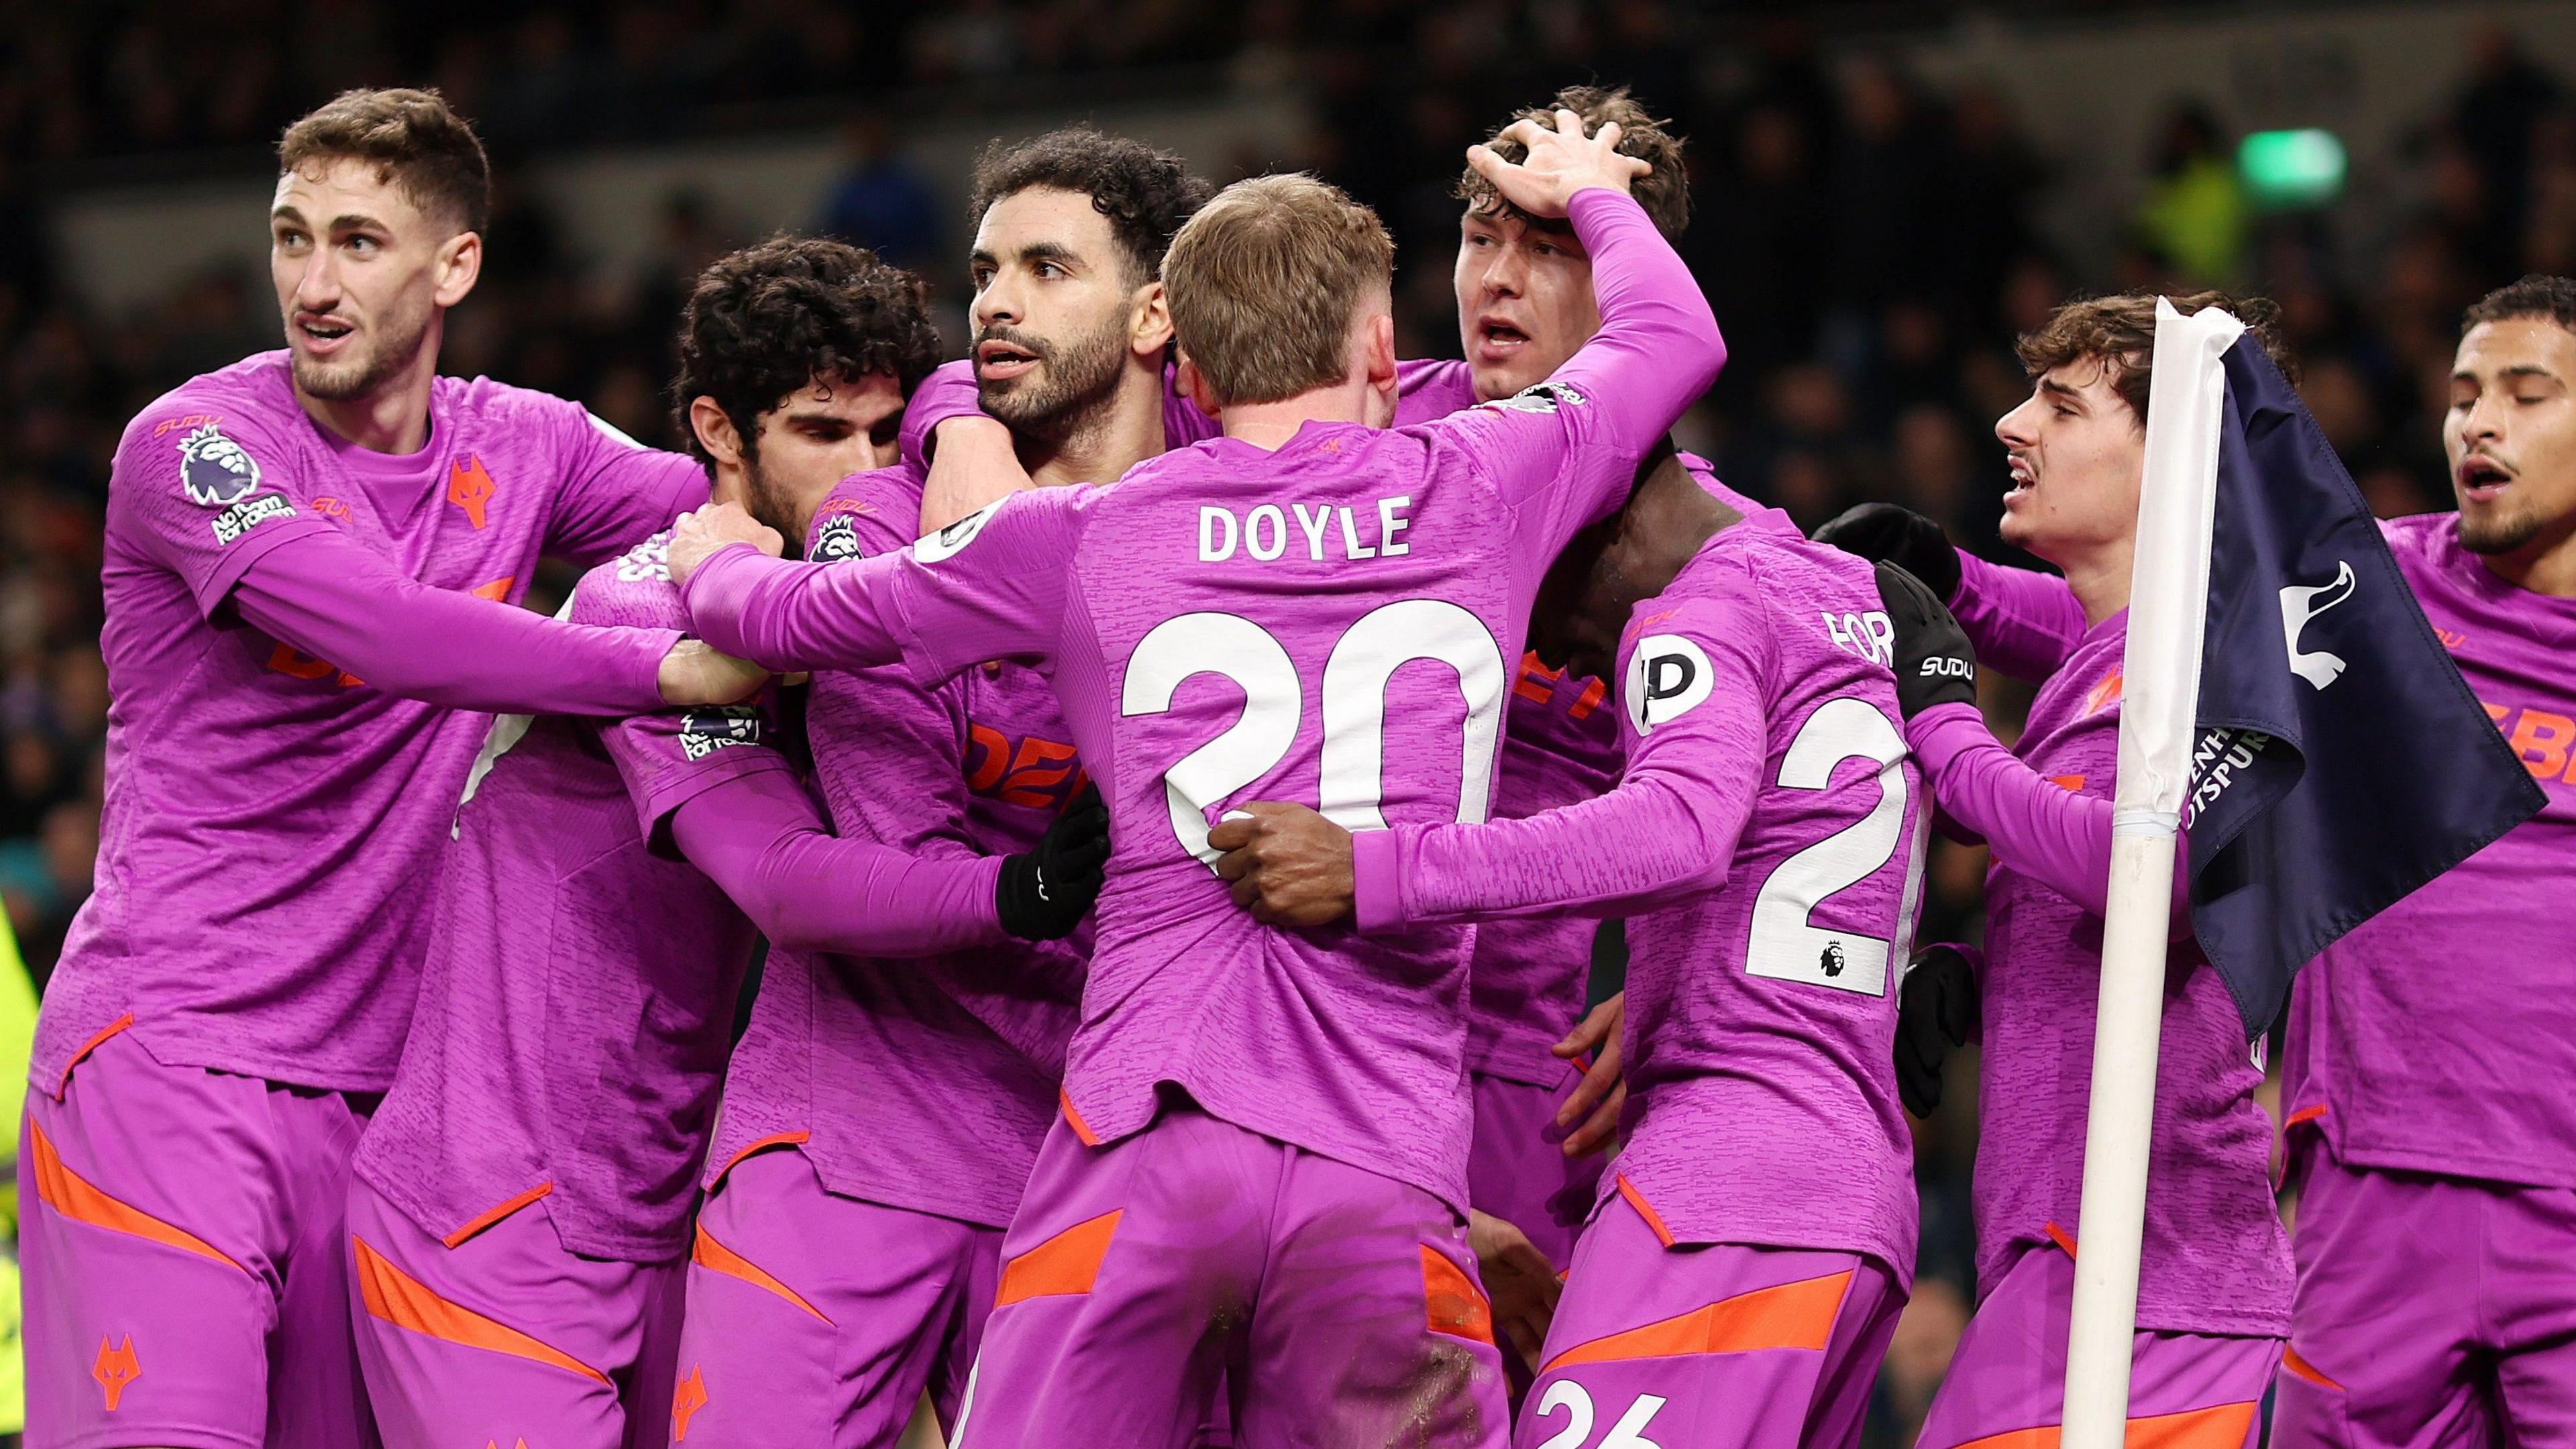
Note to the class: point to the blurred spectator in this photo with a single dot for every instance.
(2195, 218)
(882, 201)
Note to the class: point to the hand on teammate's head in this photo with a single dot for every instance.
(700, 532)
(1559, 162)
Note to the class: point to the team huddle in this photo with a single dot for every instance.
(1176, 758)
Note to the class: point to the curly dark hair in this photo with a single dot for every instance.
(1145, 193)
(1664, 192)
(2121, 330)
(2537, 295)
(770, 319)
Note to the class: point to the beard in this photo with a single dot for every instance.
(1072, 380)
(2500, 532)
(345, 379)
(765, 500)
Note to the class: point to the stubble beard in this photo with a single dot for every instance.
(2500, 532)
(764, 500)
(1079, 377)
(346, 381)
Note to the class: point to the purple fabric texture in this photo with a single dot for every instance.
(1427, 543)
(244, 1343)
(273, 819)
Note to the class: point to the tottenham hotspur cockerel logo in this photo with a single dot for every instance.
(213, 469)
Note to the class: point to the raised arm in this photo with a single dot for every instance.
(762, 840)
(334, 600)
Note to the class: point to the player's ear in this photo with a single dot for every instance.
(1149, 325)
(1194, 386)
(460, 262)
(715, 431)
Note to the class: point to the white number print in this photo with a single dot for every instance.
(1628, 1433)
(1356, 674)
(1784, 945)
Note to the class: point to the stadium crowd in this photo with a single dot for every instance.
(1869, 368)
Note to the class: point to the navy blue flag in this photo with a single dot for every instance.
(2340, 762)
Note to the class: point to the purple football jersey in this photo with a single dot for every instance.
(928, 1083)
(2215, 1257)
(265, 912)
(580, 986)
(1768, 837)
(2440, 1036)
(1332, 621)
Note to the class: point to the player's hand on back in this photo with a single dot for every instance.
(1289, 865)
(1896, 534)
(695, 673)
(1937, 1009)
(1559, 162)
(1044, 893)
(1934, 662)
(1518, 1278)
(1589, 1116)
(974, 464)
(701, 531)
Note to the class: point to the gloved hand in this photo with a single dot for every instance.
(1934, 662)
(1893, 534)
(1044, 893)
(1936, 1010)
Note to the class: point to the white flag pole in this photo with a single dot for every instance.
(2168, 594)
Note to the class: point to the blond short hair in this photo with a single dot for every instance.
(1265, 282)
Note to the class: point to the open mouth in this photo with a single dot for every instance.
(1497, 338)
(996, 360)
(322, 334)
(2022, 478)
(2481, 478)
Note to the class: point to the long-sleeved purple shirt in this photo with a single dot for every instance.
(274, 813)
(2215, 1259)
(581, 978)
(1329, 621)
(2402, 1064)
(924, 1084)
(1766, 841)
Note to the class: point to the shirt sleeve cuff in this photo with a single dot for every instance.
(1377, 880)
(949, 392)
(249, 549)
(678, 786)
(1589, 209)
(1941, 734)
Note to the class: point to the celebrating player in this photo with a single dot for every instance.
(520, 1216)
(312, 562)
(1740, 1280)
(1260, 1167)
(849, 1249)
(2214, 1273)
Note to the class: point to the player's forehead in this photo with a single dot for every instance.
(337, 190)
(1489, 216)
(2516, 346)
(2089, 380)
(1044, 221)
(862, 402)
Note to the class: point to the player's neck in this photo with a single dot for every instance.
(1270, 425)
(394, 418)
(1669, 517)
(1124, 430)
(2099, 579)
(2542, 566)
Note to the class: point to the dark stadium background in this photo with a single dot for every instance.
(1884, 194)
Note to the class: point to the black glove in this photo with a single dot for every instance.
(1886, 532)
(1935, 1011)
(1934, 663)
(1045, 893)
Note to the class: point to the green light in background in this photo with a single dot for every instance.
(2291, 168)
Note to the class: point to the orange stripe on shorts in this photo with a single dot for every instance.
(81, 1053)
(407, 1303)
(1792, 1315)
(1082, 1132)
(2222, 1426)
(1451, 1299)
(495, 1213)
(2302, 1368)
(68, 1193)
(715, 1257)
(1653, 1219)
(762, 1144)
(1062, 1265)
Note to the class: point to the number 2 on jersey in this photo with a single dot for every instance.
(1362, 664)
(1784, 944)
